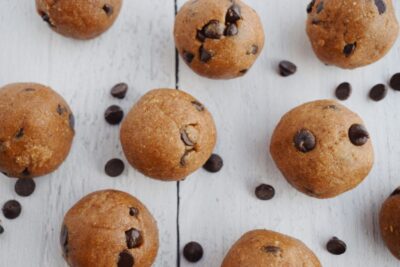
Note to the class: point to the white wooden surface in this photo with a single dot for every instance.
(217, 209)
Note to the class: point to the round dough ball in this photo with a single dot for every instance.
(109, 228)
(218, 39)
(389, 220)
(168, 135)
(322, 148)
(80, 19)
(37, 128)
(263, 248)
(351, 33)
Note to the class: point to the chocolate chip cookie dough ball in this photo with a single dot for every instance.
(168, 135)
(80, 19)
(219, 39)
(263, 248)
(322, 148)
(109, 228)
(37, 128)
(389, 220)
(351, 33)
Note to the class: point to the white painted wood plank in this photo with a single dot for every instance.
(217, 209)
(139, 50)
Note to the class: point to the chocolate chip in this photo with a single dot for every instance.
(64, 239)
(46, 18)
(287, 68)
(315, 21)
(198, 105)
(395, 82)
(133, 212)
(29, 90)
(378, 92)
(253, 50)
(114, 115)
(231, 30)
(396, 192)
(71, 120)
(304, 141)
(380, 4)
(343, 91)
(11, 209)
(233, 14)
(213, 30)
(214, 164)
(358, 134)
(24, 187)
(336, 246)
(20, 133)
(114, 167)
(119, 90)
(193, 252)
(310, 6)
(200, 36)
(134, 238)
(271, 249)
(265, 192)
(60, 109)
(320, 7)
(1, 229)
(108, 9)
(349, 49)
(26, 172)
(125, 259)
(185, 139)
(205, 55)
(188, 57)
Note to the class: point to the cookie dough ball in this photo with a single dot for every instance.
(218, 39)
(80, 19)
(109, 228)
(351, 33)
(168, 135)
(389, 220)
(322, 148)
(37, 128)
(263, 248)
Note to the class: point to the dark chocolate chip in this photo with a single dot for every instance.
(304, 141)
(378, 92)
(29, 89)
(244, 71)
(20, 133)
(186, 139)
(233, 14)
(133, 212)
(310, 6)
(188, 57)
(24, 187)
(205, 55)
(200, 36)
(380, 4)
(214, 164)
(198, 105)
(64, 239)
(265, 192)
(395, 82)
(336, 246)
(253, 50)
(114, 167)
(71, 120)
(231, 30)
(60, 109)
(213, 30)
(1, 229)
(108, 9)
(287, 68)
(349, 49)
(134, 238)
(193, 252)
(396, 192)
(315, 21)
(11, 209)
(46, 18)
(114, 114)
(343, 91)
(119, 90)
(320, 7)
(125, 259)
(271, 249)
(358, 134)
(26, 172)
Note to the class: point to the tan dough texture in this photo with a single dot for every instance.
(335, 165)
(36, 130)
(263, 248)
(389, 220)
(168, 134)
(351, 33)
(94, 231)
(79, 19)
(230, 56)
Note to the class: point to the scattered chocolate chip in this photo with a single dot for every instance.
(185, 139)
(213, 30)
(26, 172)
(253, 50)
(71, 120)
(233, 14)
(287, 68)
(198, 105)
(231, 30)
(271, 249)
(315, 21)
(310, 6)
(244, 71)
(114, 114)
(188, 57)
(214, 164)
(336, 246)
(200, 36)
(108, 9)
(320, 7)
(304, 141)
(114, 167)
(29, 89)
(343, 91)
(20, 133)
(1, 229)
(133, 212)
(134, 238)
(205, 55)
(11, 209)
(395, 82)
(119, 90)
(396, 192)
(265, 192)
(378, 92)
(24, 187)
(349, 49)
(193, 252)
(380, 4)
(125, 259)
(64, 239)
(46, 18)
(60, 109)
(358, 134)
